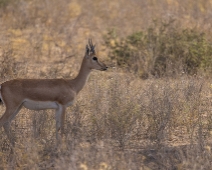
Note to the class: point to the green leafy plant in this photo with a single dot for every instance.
(164, 49)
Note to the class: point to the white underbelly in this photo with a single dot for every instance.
(39, 105)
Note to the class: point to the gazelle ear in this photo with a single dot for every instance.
(93, 49)
(91, 46)
(87, 50)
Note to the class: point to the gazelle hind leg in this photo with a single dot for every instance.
(6, 119)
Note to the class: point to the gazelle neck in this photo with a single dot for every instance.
(78, 83)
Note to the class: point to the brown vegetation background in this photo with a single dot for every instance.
(130, 117)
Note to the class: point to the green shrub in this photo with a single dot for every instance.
(164, 49)
(4, 3)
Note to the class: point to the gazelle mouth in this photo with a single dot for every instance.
(104, 69)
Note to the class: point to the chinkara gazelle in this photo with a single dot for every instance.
(41, 94)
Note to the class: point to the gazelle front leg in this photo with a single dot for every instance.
(8, 133)
(60, 119)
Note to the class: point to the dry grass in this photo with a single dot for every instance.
(118, 121)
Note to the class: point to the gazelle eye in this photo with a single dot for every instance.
(94, 58)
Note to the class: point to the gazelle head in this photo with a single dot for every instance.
(91, 59)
